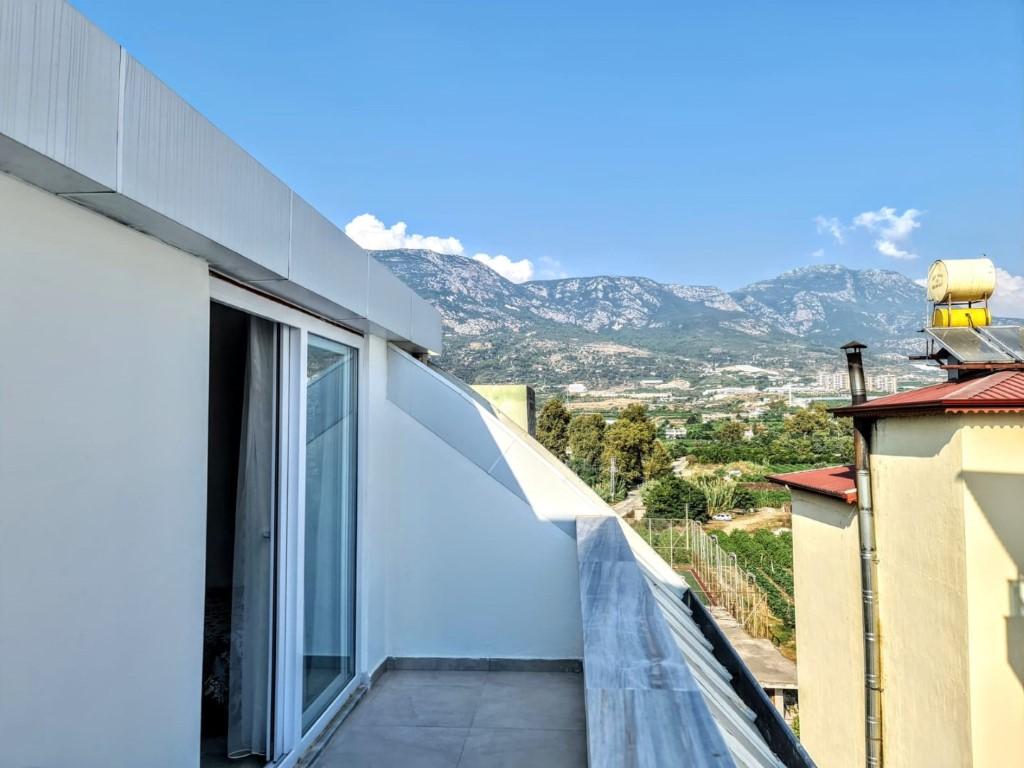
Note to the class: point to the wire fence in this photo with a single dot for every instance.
(686, 546)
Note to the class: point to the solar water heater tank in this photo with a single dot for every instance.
(961, 280)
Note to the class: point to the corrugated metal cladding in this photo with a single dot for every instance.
(61, 100)
(735, 720)
(80, 117)
(322, 255)
(177, 163)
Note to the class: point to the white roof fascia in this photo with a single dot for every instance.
(81, 118)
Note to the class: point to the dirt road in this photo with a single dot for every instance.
(765, 517)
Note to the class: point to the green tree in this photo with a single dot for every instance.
(729, 433)
(585, 445)
(635, 412)
(553, 427)
(629, 441)
(659, 463)
(669, 497)
(699, 431)
(812, 436)
(677, 449)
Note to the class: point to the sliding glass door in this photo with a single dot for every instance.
(282, 511)
(328, 645)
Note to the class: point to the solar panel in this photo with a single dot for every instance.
(1009, 337)
(968, 346)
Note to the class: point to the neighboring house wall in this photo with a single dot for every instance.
(481, 541)
(103, 421)
(517, 401)
(826, 576)
(918, 501)
(993, 478)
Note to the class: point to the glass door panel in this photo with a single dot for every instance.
(328, 652)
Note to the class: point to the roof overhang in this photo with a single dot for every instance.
(835, 482)
(922, 409)
(128, 147)
(997, 392)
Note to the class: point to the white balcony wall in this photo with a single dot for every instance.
(103, 421)
(480, 542)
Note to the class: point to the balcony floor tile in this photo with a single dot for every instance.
(440, 719)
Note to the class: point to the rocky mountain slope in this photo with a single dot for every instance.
(613, 329)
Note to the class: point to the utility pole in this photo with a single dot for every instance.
(613, 478)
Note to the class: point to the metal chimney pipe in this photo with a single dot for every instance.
(868, 562)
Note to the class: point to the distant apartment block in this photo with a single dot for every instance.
(839, 382)
(833, 381)
(885, 383)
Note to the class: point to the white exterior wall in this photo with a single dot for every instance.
(480, 535)
(103, 408)
(466, 524)
(377, 445)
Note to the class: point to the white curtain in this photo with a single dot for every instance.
(249, 670)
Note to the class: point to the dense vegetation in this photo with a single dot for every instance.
(769, 556)
(807, 436)
(784, 440)
(590, 446)
(673, 497)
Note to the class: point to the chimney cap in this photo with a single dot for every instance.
(853, 345)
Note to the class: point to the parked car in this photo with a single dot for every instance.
(724, 516)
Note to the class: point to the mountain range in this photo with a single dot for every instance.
(607, 330)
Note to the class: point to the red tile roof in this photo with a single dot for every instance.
(1001, 391)
(837, 482)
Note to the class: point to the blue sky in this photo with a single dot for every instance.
(689, 142)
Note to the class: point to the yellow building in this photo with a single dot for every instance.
(947, 484)
(517, 401)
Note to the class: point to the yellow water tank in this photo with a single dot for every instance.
(961, 317)
(961, 280)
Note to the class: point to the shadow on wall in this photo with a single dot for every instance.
(833, 512)
(470, 425)
(998, 495)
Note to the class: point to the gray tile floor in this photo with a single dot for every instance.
(433, 719)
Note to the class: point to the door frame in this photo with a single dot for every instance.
(288, 740)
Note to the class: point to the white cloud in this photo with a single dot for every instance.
(889, 248)
(516, 271)
(831, 226)
(893, 229)
(888, 224)
(818, 254)
(370, 233)
(1008, 299)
